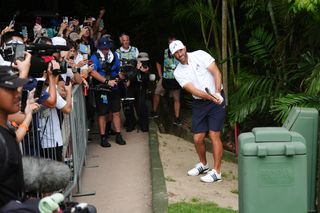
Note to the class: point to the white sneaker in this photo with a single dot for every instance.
(199, 168)
(211, 176)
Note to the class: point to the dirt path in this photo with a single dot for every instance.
(177, 156)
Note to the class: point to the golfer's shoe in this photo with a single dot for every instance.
(211, 176)
(199, 168)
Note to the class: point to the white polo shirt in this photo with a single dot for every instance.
(196, 71)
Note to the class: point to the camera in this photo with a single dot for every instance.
(41, 56)
(128, 68)
(145, 64)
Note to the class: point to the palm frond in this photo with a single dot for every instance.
(282, 106)
(192, 12)
(249, 85)
(312, 82)
(238, 113)
(261, 46)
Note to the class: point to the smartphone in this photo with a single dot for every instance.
(65, 19)
(38, 20)
(68, 80)
(19, 52)
(12, 22)
(90, 62)
(24, 31)
(39, 88)
(24, 98)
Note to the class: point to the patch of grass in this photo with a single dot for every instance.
(228, 175)
(184, 207)
(234, 191)
(195, 200)
(170, 179)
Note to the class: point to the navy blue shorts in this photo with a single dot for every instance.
(113, 102)
(207, 115)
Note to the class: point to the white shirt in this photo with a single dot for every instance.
(49, 125)
(196, 71)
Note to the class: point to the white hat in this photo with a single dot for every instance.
(176, 45)
(74, 36)
(143, 56)
(59, 41)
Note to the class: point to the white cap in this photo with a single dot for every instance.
(59, 41)
(176, 45)
(143, 56)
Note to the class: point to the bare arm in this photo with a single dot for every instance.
(24, 119)
(199, 93)
(68, 107)
(159, 69)
(214, 70)
(77, 78)
(51, 101)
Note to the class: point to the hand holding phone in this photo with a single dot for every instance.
(68, 80)
(19, 52)
(90, 62)
(39, 88)
(65, 19)
(24, 31)
(12, 22)
(24, 98)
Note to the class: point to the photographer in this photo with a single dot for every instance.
(128, 56)
(106, 76)
(140, 85)
(49, 123)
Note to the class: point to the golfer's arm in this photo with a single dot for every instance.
(214, 70)
(196, 92)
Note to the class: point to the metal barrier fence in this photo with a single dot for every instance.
(61, 137)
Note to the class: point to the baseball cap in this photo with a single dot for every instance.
(10, 79)
(176, 45)
(59, 41)
(83, 49)
(143, 56)
(104, 43)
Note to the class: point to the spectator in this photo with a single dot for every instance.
(167, 82)
(49, 124)
(128, 56)
(105, 74)
(140, 86)
(11, 173)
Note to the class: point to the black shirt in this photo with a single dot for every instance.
(11, 171)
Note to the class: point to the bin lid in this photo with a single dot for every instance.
(270, 134)
(271, 141)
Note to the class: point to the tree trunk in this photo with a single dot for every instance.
(225, 47)
(236, 41)
(273, 20)
(214, 30)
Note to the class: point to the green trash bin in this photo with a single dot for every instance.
(305, 122)
(272, 168)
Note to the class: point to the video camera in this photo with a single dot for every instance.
(145, 64)
(41, 56)
(129, 68)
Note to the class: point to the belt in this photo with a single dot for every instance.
(201, 100)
